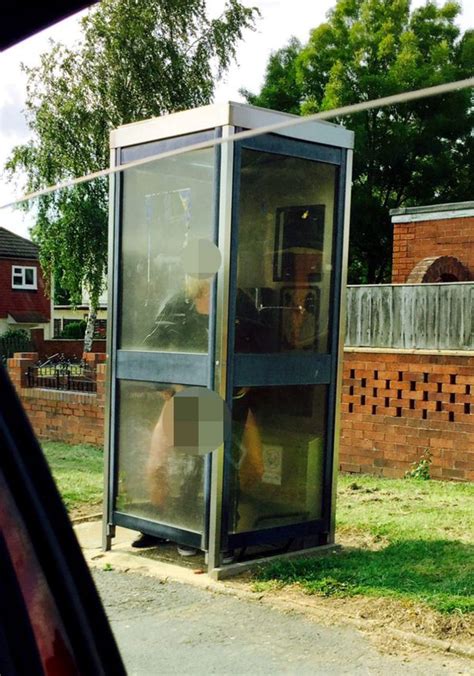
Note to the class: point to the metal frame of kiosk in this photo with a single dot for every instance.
(277, 206)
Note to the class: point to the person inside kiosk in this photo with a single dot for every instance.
(175, 478)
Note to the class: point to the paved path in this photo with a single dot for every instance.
(174, 628)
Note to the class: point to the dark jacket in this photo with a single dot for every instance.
(180, 327)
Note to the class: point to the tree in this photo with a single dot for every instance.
(415, 153)
(280, 91)
(136, 59)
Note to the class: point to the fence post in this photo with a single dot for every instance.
(93, 361)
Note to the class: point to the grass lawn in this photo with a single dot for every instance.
(407, 539)
(404, 539)
(78, 472)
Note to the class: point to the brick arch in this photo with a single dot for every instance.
(439, 269)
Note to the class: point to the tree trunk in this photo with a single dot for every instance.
(89, 334)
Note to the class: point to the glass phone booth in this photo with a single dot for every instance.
(263, 331)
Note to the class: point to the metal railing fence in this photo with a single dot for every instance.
(71, 377)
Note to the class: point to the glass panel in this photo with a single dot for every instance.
(287, 208)
(166, 204)
(29, 276)
(156, 481)
(278, 439)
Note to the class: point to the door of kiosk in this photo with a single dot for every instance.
(264, 333)
(162, 342)
(284, 290)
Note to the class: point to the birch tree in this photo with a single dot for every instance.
(135, 59)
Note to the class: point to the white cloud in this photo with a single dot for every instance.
(13, 127)
(12, 120)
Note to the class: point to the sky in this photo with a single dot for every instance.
(280, 19)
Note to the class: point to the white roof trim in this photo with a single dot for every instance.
(433, 216)
(224, 114)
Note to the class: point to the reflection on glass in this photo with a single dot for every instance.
(277, 456)
(166, 204)
(156, 480)
(285, 248)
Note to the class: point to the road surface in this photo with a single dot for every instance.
(173, 628)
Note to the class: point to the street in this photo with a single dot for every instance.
(174, 628)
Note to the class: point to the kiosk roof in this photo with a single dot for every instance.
(228, 114)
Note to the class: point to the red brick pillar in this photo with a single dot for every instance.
(402, 253)
(92, 359)
(101, 375)
(18, 365)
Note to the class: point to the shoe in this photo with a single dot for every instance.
(145, 540)
(228, 557)
(183, 550)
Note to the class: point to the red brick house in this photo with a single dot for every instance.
(433, 243)
(23, 302)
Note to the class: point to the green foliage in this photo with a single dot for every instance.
(422, 545)
(16, 334)
(417, 153)
(135, 60)
(438, 573)
(14, 340)
(75, 330)
(280, 90)
(78, 472)
(61, 297)
(390, 509)
(421, 469)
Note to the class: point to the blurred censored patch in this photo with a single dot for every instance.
(194, 420)
(201, 258)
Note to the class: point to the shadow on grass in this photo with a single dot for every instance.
(437, 572)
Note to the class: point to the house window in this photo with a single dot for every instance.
(100, 328)
(24, 278)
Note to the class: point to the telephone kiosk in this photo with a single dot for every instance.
(262, 330)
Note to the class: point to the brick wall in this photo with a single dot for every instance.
(413, 242)
(395, 406)
(57, 415)
(70, 348)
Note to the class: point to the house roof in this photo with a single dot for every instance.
(28, 317)
(14, 246)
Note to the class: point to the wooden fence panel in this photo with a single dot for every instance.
(411, 316)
